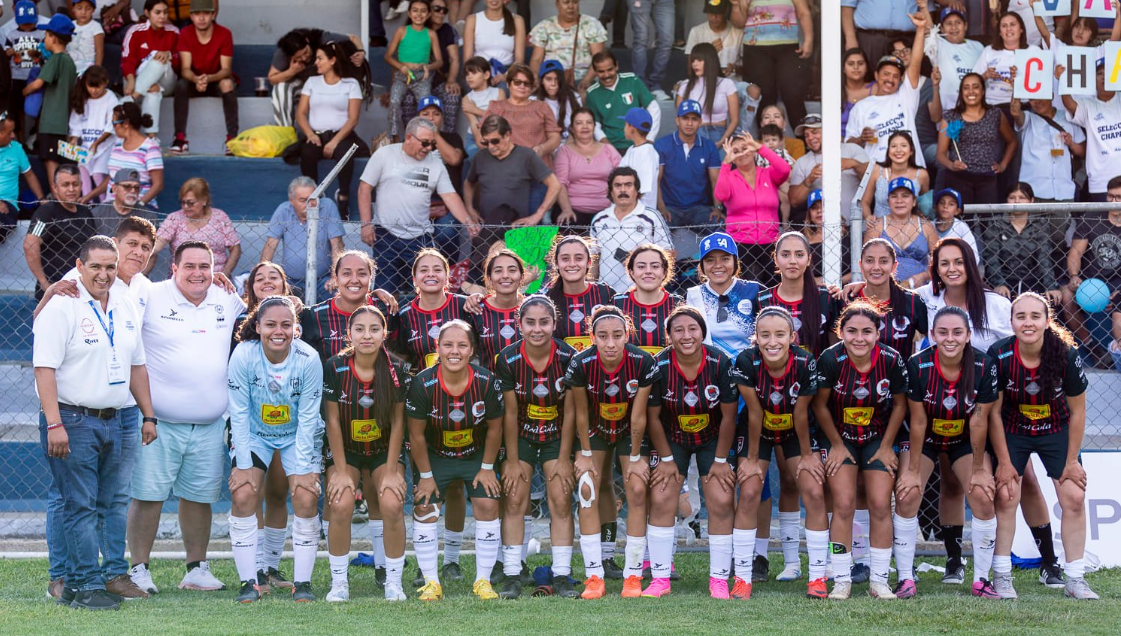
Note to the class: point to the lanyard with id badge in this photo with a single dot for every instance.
(114, 369)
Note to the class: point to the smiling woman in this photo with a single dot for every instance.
(197, 220)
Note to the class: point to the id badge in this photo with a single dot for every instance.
(116, 371)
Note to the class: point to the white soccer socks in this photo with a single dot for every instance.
(305, 543)
(636, 547)
(243, 543)
(427, 550)
(906, 531)
(817, 547)
(562, 560)
(861, 523)
(591, 549)
(660, 542)
(719, 556)
(453, 542)
(743, 550)
(788, 523)
(984, 542)
(376, 528)
(488, 539)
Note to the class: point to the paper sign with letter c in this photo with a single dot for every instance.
(1097, 8)
(1035, 74)
(1044, 8)
(1078, 70)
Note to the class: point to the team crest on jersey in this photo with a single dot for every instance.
(560, 385)
(628, 98)
(883, 388)
(795, 389)
(900, 325)
(632, 387)
(478, 408)
(745, 307)
(711, 393)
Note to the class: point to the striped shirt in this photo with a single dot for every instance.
(692, 409)
(947, 408)
(1025, 410)
(362, 433)
(861, 403)
(649, 320)
(540, 393)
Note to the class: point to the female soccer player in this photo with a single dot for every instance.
(496, 320)
(324, 326)
(363, 396)
(610, 384)
(859, 406)
(951, 388)
(455, 414)
(574, 294)
(905, 318)
(692, 412)
(275, 386)
(647, 303)
(1042, 410)
(539, 429)
(777, 381)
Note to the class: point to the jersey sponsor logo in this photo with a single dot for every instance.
(777, 422)
(534, 412)
(275, 414)
(1035, 411)
(693, 423)
(651, 350)
(858, 415)
(613, 412)
(578, 343)
(430, 360)
(365, 430)
(745, 307)
(948, 428)
(459, 439)
(86, 326)
(172, 315)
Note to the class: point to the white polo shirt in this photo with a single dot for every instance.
(616, 238)
(188, 349)
(69, 337)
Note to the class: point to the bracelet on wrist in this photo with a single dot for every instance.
(667, 458)
(635, 458)
(585, 453)
(486, 466)
(426, 475)
(51, 427)
(151, 419)
(720, 460)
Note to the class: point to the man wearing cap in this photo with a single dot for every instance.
(125, 203)
(615, 93)
(688, 165)
(450, 149)
(871, 24)
(57, 231)
(20, 40)
(206, 58)
(623, 226)
(641, 156)
(1101, 117)
(13, 165)
(720, 33)
(894, 102)
(805, 175)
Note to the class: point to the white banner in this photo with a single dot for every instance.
(1103, 510)
(1079, 70)
(1097, 8)
(1035, 74)
(1051, 8)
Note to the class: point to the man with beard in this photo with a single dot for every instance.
(125, 203)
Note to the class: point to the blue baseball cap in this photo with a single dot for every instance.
(948, 192)
(548, 66)
(639, 118)
(814, 197)
(718, 242)
(26, 13)
(1100, 63)
(949, 11)
(689, 107)
(902, 182)
(431, 100)
(59, 24)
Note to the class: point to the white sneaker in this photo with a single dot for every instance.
(792, 572)
(339, 593)
(201, 579)
(393, 592)
(401, 9)
(661, 95)
(881, 591)
(841, 591)
(1002, 583)
(142, 578)
(1079, 589)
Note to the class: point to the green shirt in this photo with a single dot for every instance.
(609, 104)
(59, 74)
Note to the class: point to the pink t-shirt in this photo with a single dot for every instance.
(219, 234)
(753, 213)
(586, 180)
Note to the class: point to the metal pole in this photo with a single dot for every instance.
(1073, 208)
(311, 272)
(856, 224)
(364, 23)
(830, 43)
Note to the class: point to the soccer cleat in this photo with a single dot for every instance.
(611, 569)
(594, 588)
(302, 593)
(860, 572)
(906, 589)
(791, 572)
(511, 588)
(881, 591)
(179, 145)
(984, 589)
(718, 588)
(525, 576)
(94, 600)
(841, 591)
(263, 582)
(393, 592)
(1078, 588)
(142, 577)
(497, 574)
(275, 578)
(484, 592)
(632, 587)
(741, 589)
(657, 588)
(199, 578)
(760, 569)
(817, 589)
(451, 572)
(249, 592)
(418, 578)
(674, 575)
(1051, 575)
(563, 587)
(122, 586)
(339, 593)
(955, 572)
(1002, 583)
(431, 591)
(379, 577)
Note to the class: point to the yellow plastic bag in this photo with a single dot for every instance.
(262, 141)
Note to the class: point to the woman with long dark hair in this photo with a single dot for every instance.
(706, 85)
(906, 315)
(985, 143)
(647, 303)
(496, 317)
(572, 290)
(558, 94)
(898, 162)
(855, 85)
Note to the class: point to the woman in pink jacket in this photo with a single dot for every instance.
(751, 202)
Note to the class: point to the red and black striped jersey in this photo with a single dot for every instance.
(456, 425)
(498, 329)
(649, 320)
(355, 399)
(1025, 410)
(418, 330)
(574, 312)
(948, 409)
(610, 394)
(540, 393)
(861, 403)
(830, 309)
(323, 326)
(777, 396)
(691, 409)
(901, 323)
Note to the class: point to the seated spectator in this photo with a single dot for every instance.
(288, 230)
(615, 93)
(179, 12)
(13, 165)
(496, 35)
(125, 203)
(912, 236)
(856, 84)
(57, 230)
(1098, 115)
(582, 165)
(571, 38)
(901, 161)
(984, 148)
(445, 84)
(776, 55)
(206, 58)
(91, 125)
(947, 209)
(197, 220)
(721, 34)
(774, 115)
(294, 62)
(87, 47)
(805, 175)
(623, 226)
(688, 166)
(869, 24)
(641, 156)
(1018, 251)
(478, 99)
(414, 54)
(554, 90)
(450, 150)
(720, 105)
(814, 231)
(134, 150)
(328, 115)
(1096, 253)
(150, 61)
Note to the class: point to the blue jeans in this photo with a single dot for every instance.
(651, 19)
(446, 236)
(91, 480)
(695, 218)
(537, 194)
(377, 24)
(321, 292)
(394, 257)
(713, 134)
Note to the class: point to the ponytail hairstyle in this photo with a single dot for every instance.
(668, 264)
(249, 330)
(777, 311)
(94, 76)
(428, 251)
(867, 308)
(609, 311)
(508, 27)
(689, 311)
(556, 285)
(536, 299)
(386, 382)
(495, 255)
(250, 298)
(809, 335)
(974, 288)
(967, 357)
(1057, 343)
(897, 297)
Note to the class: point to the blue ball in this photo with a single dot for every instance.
(1092, 295)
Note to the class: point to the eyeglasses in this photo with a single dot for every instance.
(490, 142)
(187, 203)
(439, 9)
(132, 187)
(722, 308)
(1112, 198)
(521, 82)
(427, 144)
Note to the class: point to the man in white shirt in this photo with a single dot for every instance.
(805, 175)
(187, 327)
(623, 226)
(1101, 117)
(89, 365)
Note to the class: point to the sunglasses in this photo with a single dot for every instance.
(521, 82)
(132, 187)
(439, 9)
(118, 122)
(186, 203)
(722, 308)
(485, 143)
(429, 144)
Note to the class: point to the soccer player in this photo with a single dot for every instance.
(539, 429)
(692, 411)
(364, 394)
(324, 326)
(860, 406)
(951, 389)
(611, 382)
(1042, 410)
(455, 414)
(276, 388)
(647, 303)
(777, 381)
(496, 319)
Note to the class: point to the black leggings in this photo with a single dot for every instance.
(311, 155)
(974, 188)
(778, 72)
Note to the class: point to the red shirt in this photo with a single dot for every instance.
(206, 59)
(142, 40)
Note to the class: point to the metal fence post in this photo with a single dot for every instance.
(311, 273)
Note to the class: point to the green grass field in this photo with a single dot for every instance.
(775, 608)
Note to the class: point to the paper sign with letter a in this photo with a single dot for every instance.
(1097, 8)
(1078, 70)
(1051, 7)
(1034, 74)
(1112, 66)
